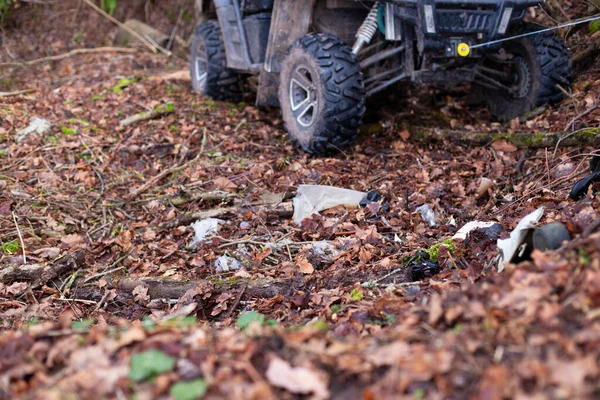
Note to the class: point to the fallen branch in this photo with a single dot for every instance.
(146, 115)
(583, 137)
(216, 196)
(164, 288)
(122, 25)
(41, 274)
(283, 210)
(69, 54)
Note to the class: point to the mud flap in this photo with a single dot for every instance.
(291, 20)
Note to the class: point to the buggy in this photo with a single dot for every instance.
(319, 60)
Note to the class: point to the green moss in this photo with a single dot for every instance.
(10, 248)
(435, 249)
(356, 294)
(68, 131)
(122, 84)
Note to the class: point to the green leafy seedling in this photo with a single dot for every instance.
(246, 319)
(191, 390)
(149, 363)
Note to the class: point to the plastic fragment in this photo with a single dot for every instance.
(36, 125)
(311, 199)
(471, 226)
(508, 247)
(204, 228)
(226, 264)
(427, 214)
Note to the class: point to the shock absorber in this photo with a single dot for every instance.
(367, 30)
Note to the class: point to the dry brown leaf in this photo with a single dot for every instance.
(300, 380)
(304, 266)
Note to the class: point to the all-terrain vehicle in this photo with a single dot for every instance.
(318, 60)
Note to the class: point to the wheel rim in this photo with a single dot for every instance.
(303, 96)
(201, 64)
(522, 78)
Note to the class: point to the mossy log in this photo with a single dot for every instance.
(583, 137)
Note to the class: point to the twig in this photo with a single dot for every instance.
(174, 30)
(236, 302)
(575, 118)
(20, 238)
(146, 115)
(16, 93)
(122, 25)
(110, 271)
(162, 175)
(69, 54)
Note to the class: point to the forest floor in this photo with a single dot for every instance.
(103, 293)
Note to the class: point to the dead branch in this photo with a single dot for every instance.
(583, 137)
(122, 25)
(283, 210)
(217, 196)
(164, 288)
(146, 115)
(69, 54)
(40, 274)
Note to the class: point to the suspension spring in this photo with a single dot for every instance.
(367, 30)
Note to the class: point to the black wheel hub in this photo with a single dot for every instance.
(522, 78)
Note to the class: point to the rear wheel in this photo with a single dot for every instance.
(527, 72)
(208, 65)
(321, 94)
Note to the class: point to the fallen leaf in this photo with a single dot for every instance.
(304, 266)
(300, 380)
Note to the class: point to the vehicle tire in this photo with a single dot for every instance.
(208, 65)
(321, 94)
(540, 63)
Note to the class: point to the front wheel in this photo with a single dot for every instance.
(321, 94)
(528, 72)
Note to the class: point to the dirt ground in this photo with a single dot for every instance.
(103, 293)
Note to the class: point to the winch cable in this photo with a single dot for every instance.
(567, 25)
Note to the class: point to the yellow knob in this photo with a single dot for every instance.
(463, 50)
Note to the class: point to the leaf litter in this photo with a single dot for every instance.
(113, 301)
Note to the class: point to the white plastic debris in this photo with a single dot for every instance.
(204, 228)
(427, 214)
(325, 250)
(471, 226)
(226, 263)
(311, 199)
(36, 125)
(508, 247)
